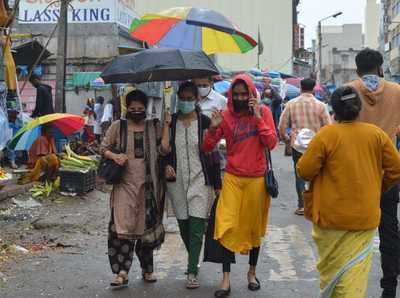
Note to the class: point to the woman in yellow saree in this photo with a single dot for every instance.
(348, 164)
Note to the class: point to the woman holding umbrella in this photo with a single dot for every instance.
(137, 202)
(191, 175)
(242, 210)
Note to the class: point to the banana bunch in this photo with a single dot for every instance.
(4, 175)
(73, 161)
(41, 190)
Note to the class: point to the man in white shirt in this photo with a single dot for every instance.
(209, 99)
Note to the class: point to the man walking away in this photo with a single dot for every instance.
(302, 115)
(381, 106)
(44, 98)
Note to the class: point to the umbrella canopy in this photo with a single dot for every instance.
(67, 124)
(28, 53)
(192, 28)
(222, 86)
(292, 91)
(159, 65)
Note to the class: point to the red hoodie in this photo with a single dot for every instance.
(247, 137)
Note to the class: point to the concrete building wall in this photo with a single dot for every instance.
(348, 36)
(89, 48)
(371, 23)
(275, 20)
(344, 66)
(393, 10)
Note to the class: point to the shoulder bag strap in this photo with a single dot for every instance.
(268, 152)
(123, 135)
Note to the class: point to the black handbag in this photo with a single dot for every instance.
(109, 170)
(214, 252)
(270, 181)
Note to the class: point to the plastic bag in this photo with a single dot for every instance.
(4, 127)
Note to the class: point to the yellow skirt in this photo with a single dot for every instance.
(242, 213)
(344, 263)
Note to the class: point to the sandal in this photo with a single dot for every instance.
(299, 211)
(148, 277)
(120, 282)
(192, 282)
(221, 293)
(254, 286)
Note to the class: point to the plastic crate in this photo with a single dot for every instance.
(77, 181)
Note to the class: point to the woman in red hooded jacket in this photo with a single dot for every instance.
(242, 210)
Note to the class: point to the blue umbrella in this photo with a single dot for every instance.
(222, 86)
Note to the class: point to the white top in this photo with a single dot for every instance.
(188, 194)
(213, 101)
(108, 113)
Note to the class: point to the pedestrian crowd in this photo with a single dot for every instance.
(346, 166)
(212, 160)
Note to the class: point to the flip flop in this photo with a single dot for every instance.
(119, 283)
(150, 280)
(192, 283)
(254, 286)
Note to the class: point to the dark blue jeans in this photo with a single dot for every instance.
(300, 184)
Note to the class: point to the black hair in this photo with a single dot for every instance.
(136, 95)
(307, 84)
(368, 60)
(100, 99)
(243, 82)
(34, 77)
(188, 86)
(346, 104)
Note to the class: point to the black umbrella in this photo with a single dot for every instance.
(159, 64)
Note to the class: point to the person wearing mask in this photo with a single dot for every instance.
(192, 176)
(137, 202)
(380, 105)
(302, 114)
(209, 100)
(98, 113)
(348, 164)
(44, 97)
(242, 210)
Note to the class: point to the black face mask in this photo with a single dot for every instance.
(136, 116)
(240, 105)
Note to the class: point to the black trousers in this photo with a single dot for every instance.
(253, 258)
(120, 252)
(389, 241)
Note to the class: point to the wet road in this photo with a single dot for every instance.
(286, 265)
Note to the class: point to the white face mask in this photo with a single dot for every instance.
(204, 91)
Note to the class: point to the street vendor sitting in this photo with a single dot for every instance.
(42, 157)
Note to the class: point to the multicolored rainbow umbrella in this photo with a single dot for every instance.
(67, 124)
(192, 29)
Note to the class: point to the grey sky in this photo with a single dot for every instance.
(311, 11)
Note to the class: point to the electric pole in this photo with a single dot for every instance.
(319, 77)
(61, 57)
